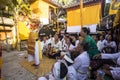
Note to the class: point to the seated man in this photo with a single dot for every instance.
(48, 50)
(82, 62)
(72, 74)
(58, 72)
(112, 71)
(110, 44)
(56, 47)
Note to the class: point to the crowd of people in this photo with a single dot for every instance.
(76, 55)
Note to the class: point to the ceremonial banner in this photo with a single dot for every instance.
(90, 15)
(114, 6)
(23, 31)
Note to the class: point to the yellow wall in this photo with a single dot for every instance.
(41, 8)
(34, 8)
(44, 7)
(90, 15)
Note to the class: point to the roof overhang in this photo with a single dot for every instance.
(85, 3)
(54, 3)
(71, 5)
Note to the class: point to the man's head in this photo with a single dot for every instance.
(59, 70)
(82, 46)
(56, 36)
(102, 37)
(84, 31)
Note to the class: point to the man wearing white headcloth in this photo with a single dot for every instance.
(112, 71)
(72, 74)
(58, 72)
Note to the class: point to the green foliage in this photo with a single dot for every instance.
(19, 6)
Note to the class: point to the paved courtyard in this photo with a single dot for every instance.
(11, 69)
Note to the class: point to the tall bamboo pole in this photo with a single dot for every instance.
(81, 12)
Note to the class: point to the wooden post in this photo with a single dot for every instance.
(81, 16)
(4, 27)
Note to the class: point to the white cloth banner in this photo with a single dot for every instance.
(73, 29)
(44, 21)
(77, 29)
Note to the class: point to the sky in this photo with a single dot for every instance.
(108, 1)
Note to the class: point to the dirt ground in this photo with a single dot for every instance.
(11, 69)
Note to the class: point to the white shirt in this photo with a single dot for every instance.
(101, 44)
(115, 70)
(63, 43)
(115, 56)
(111, 44)
(72, 74)
(44, 44)
(66, 47)
(76, 43)
(58, 45)
(50, 40)
(81, 65)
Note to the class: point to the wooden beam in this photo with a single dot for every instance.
(81, 16)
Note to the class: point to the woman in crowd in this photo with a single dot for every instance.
(92, 49)
(63, 40)
(50, 39)
(56, 46)
(74, 40)
(101, 43)
(68, 45)
(110, 44)
(44, 44)
(82, 62)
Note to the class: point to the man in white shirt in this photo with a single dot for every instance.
(56, 44)
(72, 74)
(82, 62)
(44, 44)
(58, 72)
(112, 71)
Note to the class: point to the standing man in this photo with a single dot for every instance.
(38, 52)
(92, 49)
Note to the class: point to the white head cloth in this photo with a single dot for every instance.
(42, 78)
(67, 58)
(56, 69)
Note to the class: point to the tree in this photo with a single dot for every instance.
(16, 7)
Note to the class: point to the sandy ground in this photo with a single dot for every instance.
(11, 69)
